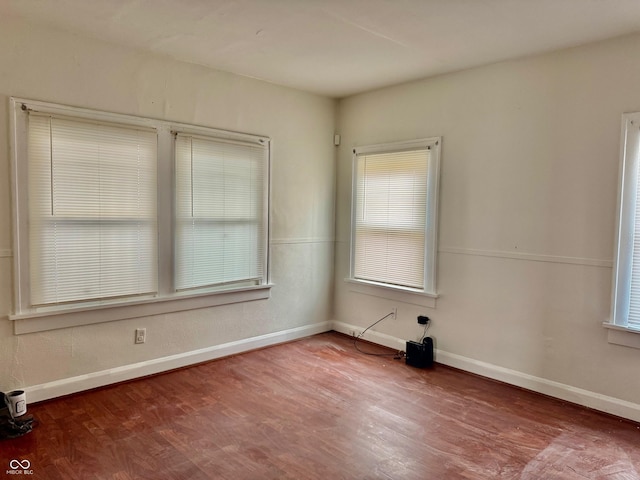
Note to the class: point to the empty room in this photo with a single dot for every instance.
(288, 239)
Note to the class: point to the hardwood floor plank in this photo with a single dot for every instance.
(317, 409)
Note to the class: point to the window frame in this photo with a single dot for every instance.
(619, 331)
(431, 230)
(110, 235)
(27, 318)
(256, 217)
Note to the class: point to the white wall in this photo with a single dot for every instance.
(54, 66)
(527, 212)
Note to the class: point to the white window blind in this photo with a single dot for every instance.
(626, 304)
(221, 220)
(92, 210)
(394, 215)
(391, 217)
(633, 320)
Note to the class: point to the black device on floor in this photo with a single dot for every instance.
(420, 354)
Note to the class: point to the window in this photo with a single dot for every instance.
(394, 215)
(92, 210)
(220, 230)
(626, 294)
(115, 211)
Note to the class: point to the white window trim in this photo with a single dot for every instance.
(395, 294)
(85, 315)
(619, 332)
(431, 238)
(27, 319)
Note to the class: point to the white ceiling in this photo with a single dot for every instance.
(337, 47)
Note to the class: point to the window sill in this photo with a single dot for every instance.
(398, 294)
(73, 317)
(618, 335)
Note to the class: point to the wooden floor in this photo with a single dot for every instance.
(317, 409)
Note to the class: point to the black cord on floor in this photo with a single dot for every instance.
(398, 355)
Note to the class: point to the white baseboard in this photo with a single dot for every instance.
(80, 383)
(568, 393)
(586, 398)
(370, 336)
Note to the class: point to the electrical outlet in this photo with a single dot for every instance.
(395, 313)
(141, 335)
